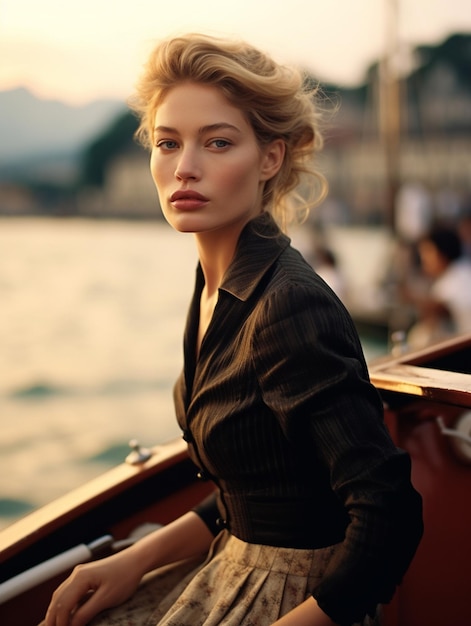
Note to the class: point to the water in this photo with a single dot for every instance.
(91, 319)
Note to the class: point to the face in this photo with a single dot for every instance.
(433, 263)
(206, 162)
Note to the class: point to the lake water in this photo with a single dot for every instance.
(91, 320)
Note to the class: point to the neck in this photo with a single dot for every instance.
(214, 262)
(216, 250)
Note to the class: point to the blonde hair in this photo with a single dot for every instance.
(275, 99)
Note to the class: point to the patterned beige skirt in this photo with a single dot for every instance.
(239, 584)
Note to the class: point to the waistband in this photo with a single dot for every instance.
(295, 561)
(283, 522)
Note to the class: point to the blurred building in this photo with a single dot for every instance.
(128, 189)
(434, 142)
(434, 134)
(433, 147)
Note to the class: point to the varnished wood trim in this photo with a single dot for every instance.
(45, 520)
(449, 387)
(409, 375)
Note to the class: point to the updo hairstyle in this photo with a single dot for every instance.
(276, 100)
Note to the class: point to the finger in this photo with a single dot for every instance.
(57, 615)
(60, 615)
(88, 609)
(65, 601)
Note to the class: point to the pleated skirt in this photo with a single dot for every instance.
(239, 584)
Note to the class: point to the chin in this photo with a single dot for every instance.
(185, 223)
(193, 222)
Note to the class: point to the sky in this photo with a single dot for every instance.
(80, 50)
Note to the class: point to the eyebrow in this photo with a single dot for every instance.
(201, 131)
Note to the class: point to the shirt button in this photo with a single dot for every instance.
(221, 523)
(202, 475)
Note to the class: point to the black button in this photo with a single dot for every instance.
(202, 475)
(221, 523)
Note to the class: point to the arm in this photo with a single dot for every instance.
(321, 394)
(306, 614)
(111, 581)
(427, 305)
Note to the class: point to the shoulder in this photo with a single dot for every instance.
(456, 279)
(300, 301)
(294, 280)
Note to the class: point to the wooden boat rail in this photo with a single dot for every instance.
(439, 373)
(423, 393)
(115, 503)
(427, 399)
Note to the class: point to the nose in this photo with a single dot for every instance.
(188, 166)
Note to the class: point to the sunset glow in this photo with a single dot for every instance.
(77, 51)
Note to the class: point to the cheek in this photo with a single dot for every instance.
(241, 177)
(154, 170)
(160, 172)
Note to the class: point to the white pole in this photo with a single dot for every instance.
(50, 568)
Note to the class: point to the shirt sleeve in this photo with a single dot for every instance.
(208, 511)
(313, 376)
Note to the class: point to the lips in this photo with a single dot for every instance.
(187, 194)
(187, 200)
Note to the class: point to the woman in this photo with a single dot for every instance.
(315, 519)
(443, 304)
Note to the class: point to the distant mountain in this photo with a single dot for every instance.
(35, 131)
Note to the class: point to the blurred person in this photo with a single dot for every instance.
(413, 211)
(445, 309)
(314, 519)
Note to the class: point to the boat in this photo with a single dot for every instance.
(427, 400)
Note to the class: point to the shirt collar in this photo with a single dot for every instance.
(260, 243)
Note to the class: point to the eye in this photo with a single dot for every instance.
(166, 144)
(219, 143)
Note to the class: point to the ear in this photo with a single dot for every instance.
(272, 159)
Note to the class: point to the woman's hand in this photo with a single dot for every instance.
(91, 588)
(100, 585)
